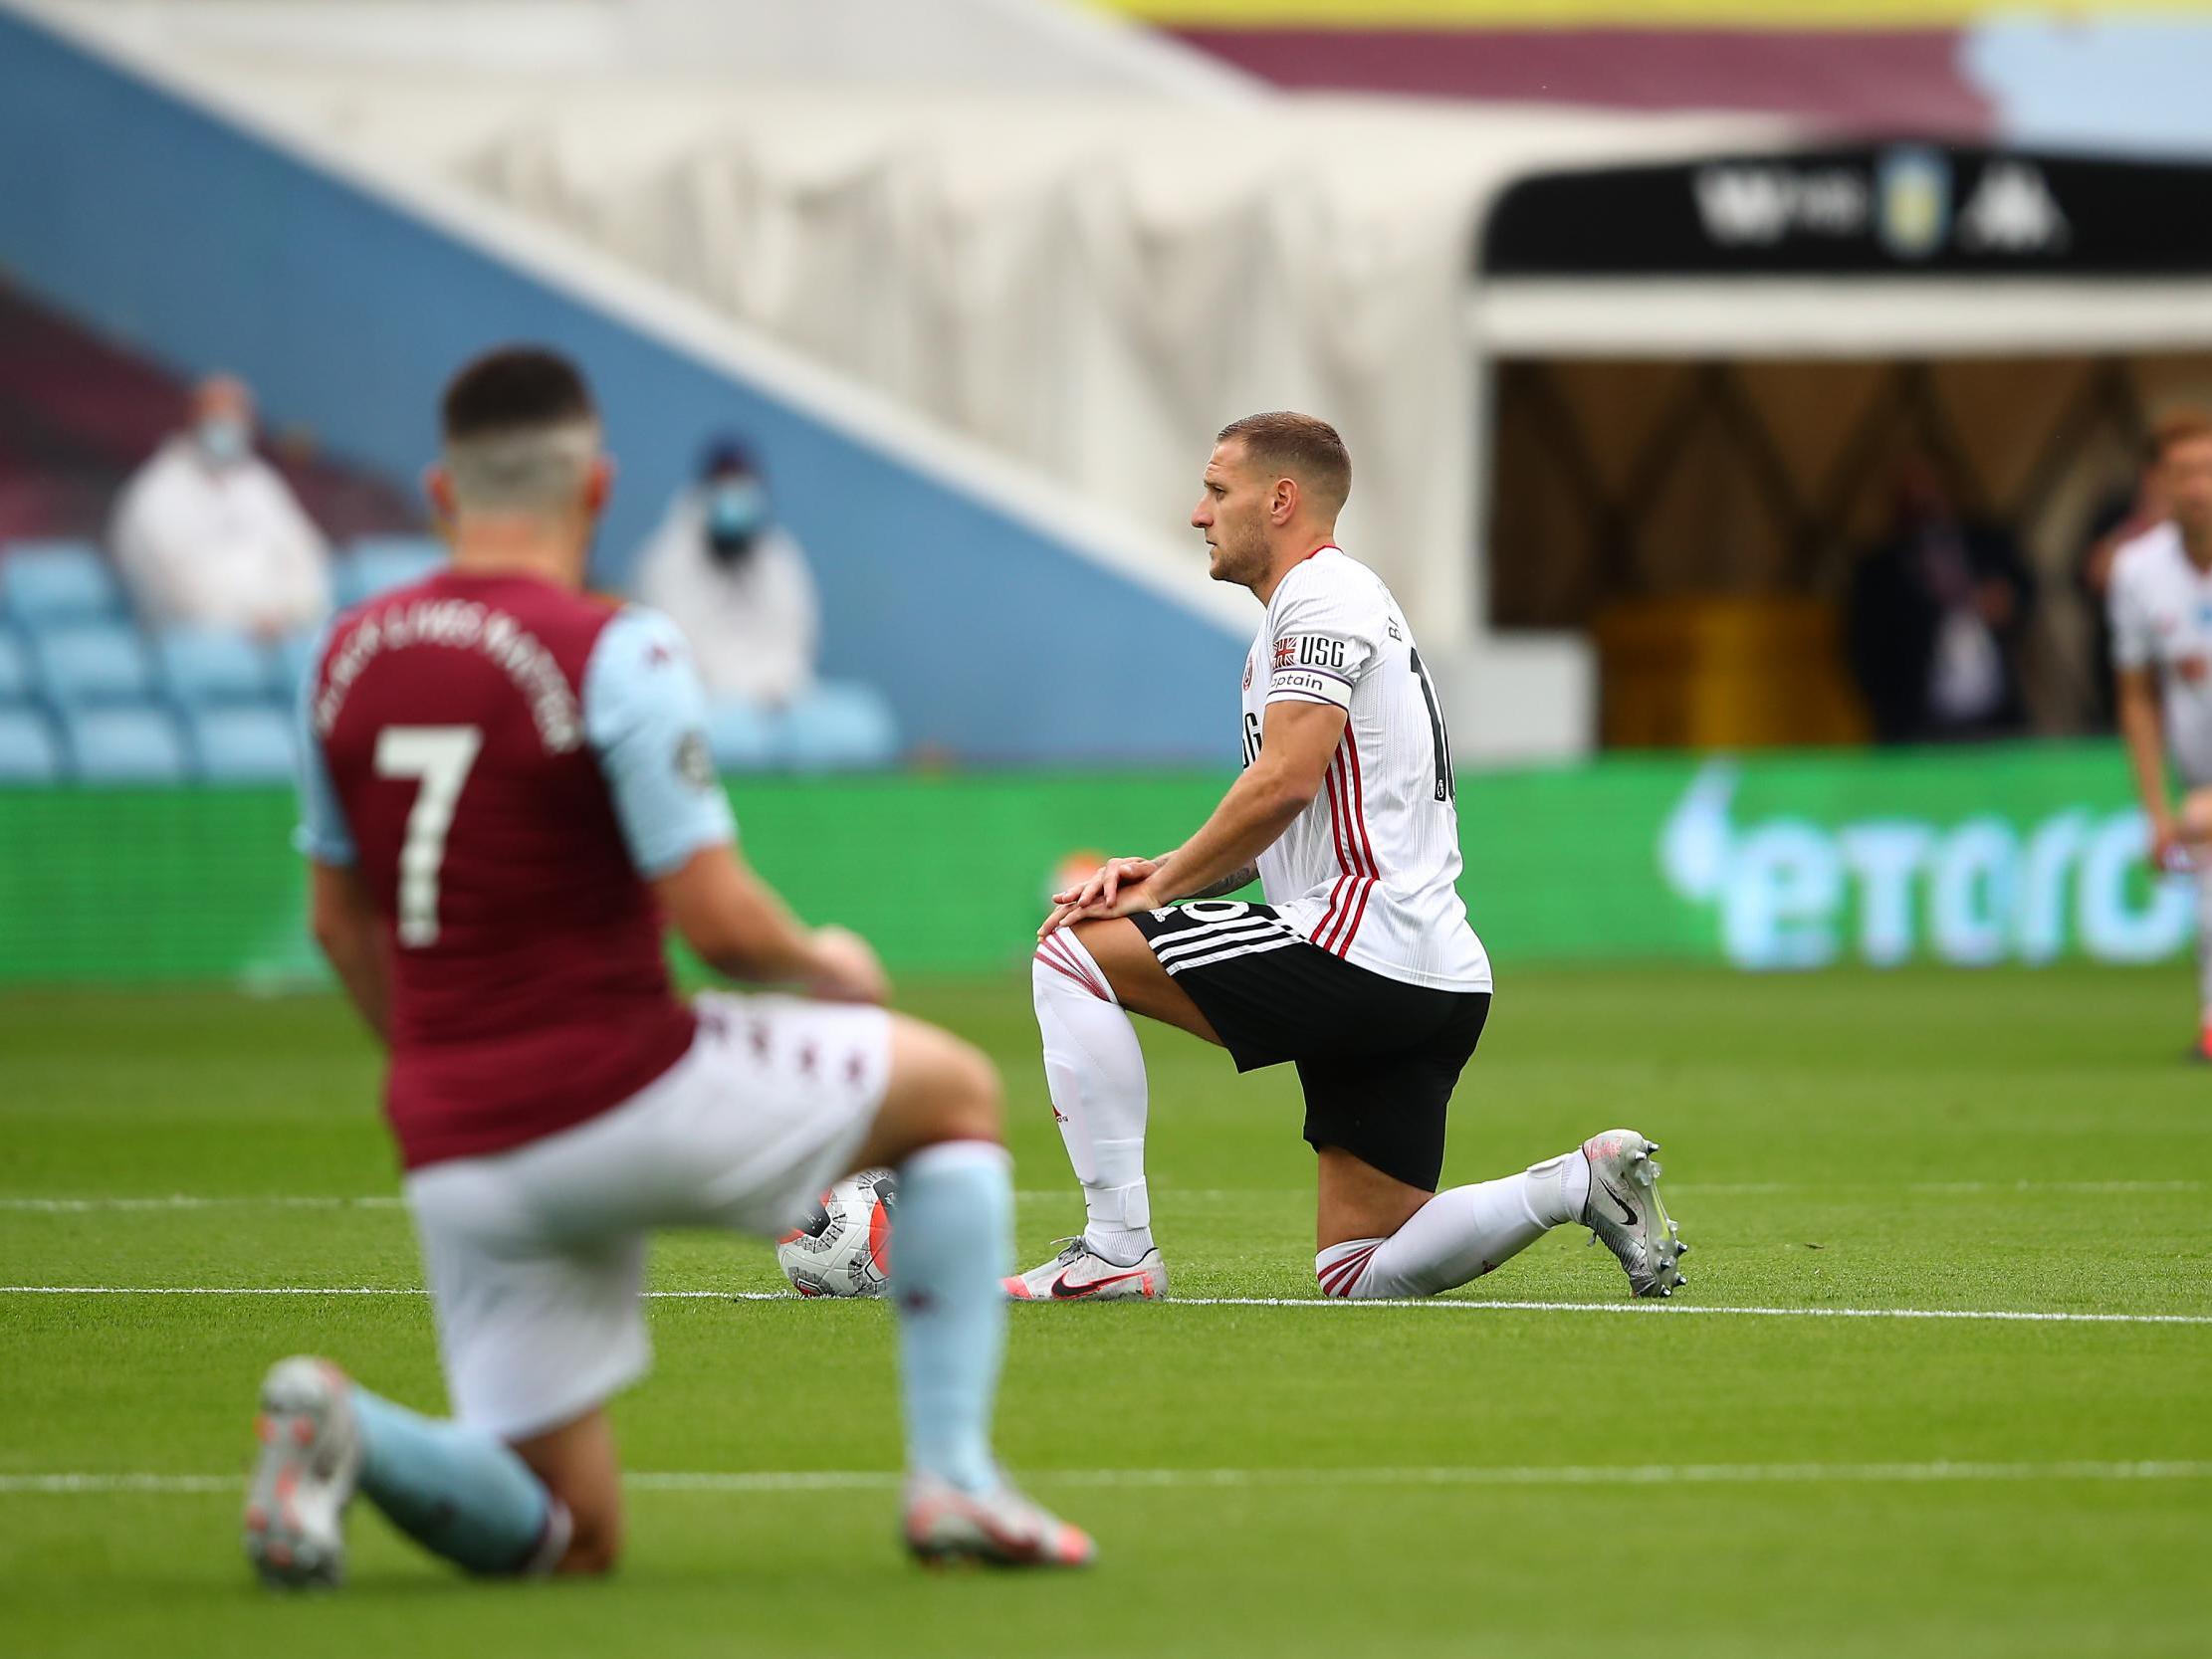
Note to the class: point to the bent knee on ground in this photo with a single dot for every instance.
(595, 1549)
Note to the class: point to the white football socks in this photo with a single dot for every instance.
(1460, 1235)
(1095, 1072)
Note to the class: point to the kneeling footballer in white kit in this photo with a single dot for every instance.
(505, 789)
(1361, 968)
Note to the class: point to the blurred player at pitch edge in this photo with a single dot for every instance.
(504, 789)
(1361, 966)
(2160, 603)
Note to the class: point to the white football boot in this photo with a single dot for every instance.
(999, 1528)
(310, 1456)
(1080, 1274)
(1625, 1211)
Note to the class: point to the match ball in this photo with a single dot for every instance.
(843, 1246)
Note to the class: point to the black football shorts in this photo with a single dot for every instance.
(1377, 1058)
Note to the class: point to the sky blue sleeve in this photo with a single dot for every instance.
(645, 717)
(323, 833)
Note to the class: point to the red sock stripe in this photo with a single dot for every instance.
(1063, 962)
(1337, 1278)
(1083, 967)
(1340, 1284)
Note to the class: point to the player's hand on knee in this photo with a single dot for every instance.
(1106, 885)
(846, 968)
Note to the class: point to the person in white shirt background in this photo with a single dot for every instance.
(2160, 601)
(207, 532)
(735, 583)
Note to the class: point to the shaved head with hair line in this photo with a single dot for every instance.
(520, 433)
(523, 475)
(1286, 444)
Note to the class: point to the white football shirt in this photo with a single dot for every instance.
(1367, 870)
(2161, 613)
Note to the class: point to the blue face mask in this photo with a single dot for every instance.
(736, 512)
(222, 439)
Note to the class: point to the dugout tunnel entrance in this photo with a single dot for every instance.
(1700, 380)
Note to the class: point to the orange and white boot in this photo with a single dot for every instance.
(310, 1458)
(999, 1528)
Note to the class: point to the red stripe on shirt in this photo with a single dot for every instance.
(1367, 847)
(1339, 809)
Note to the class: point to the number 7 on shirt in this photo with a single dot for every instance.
(439, 758)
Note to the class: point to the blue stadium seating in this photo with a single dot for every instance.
(247, 744)
(213, 665)
(741, 738)
(125, 745)
(840, 726)
(378, 563)
(28, 751)
(47, 582)
(15, 669)
(92, 662)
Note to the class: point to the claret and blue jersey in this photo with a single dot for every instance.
(507, 764)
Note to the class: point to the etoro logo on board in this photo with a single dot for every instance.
(1793, 892)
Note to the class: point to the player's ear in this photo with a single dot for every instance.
(437, 484)
(599, 484)
(1284, 506)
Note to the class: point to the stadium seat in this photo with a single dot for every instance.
(125, 745)
(840, 726)
(741, 738)
(213, 665)
(246, 744)
(379, 563)
(46, 583)
(28, 751)
(15, 669)
(91, 662)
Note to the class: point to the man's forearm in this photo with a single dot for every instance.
(1221, 857)
(1228, 884)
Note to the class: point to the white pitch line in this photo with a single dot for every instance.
(1633, 1473)
(35, 1206)
(39, 1205)
(1662, 1310)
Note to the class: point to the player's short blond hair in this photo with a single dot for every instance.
(1290, 445)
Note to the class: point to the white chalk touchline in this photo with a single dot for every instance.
(1662, 1310)
(1633, 1473)
(38, 1205)
(35, 1206)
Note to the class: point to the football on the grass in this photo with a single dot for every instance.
(843, 1246)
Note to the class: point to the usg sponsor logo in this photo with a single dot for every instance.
(1792, 893)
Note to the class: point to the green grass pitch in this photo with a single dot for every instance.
(1325, 1479)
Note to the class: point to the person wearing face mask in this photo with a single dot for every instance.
(735, 583)
(208, 533)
